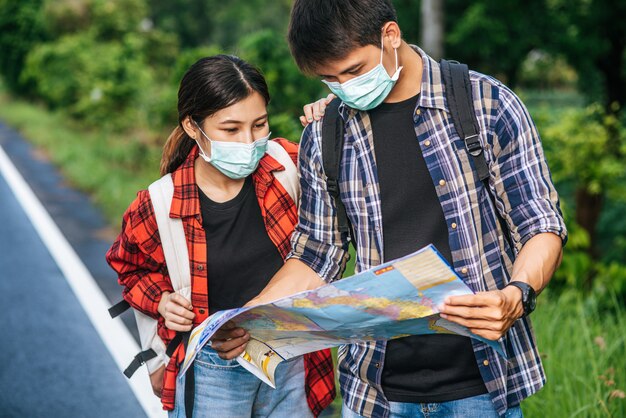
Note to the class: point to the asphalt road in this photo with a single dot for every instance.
(54, 363)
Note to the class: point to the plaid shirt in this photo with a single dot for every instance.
(137, 257)
(525, 197)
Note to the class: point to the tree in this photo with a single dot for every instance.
(20, 29)
(433, 27)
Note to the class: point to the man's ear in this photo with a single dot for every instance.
(190, 127)
(391, 31)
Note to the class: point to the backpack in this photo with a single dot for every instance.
(154, 352)
(460, 103)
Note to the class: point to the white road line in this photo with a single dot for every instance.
(113, 332)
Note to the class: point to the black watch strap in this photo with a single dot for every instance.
(529, 296)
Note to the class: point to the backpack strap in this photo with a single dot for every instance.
(332, 151)
(172, 234)
(456, 78)
(288, 177)
(460, 103)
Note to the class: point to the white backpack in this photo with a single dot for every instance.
(154, 352)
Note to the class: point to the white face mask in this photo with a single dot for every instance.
(368, 90)
(234, 159)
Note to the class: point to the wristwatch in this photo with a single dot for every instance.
(529, 296)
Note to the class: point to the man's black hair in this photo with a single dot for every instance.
(327, 30)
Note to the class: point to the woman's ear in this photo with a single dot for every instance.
(190, 127)
(391, 31)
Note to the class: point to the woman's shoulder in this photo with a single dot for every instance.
(290, 147)
(140, 213)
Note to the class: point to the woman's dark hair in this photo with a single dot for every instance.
(327, 30)
(208, 86)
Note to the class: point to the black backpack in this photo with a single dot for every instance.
(459, 95)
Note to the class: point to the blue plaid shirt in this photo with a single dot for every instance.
(524, 196)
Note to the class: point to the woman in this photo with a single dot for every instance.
(237, 219)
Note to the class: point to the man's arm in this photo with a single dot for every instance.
(491, 314)
(528, 201)
(294, 277)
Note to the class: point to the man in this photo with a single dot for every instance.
(407, 180)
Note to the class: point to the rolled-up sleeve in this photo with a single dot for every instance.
(316, 240)
(527, 198)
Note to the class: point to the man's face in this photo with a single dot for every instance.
(359, 61)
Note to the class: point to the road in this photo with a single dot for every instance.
(62, 356)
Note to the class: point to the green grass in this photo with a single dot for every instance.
(583, 346)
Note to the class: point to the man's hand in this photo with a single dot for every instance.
(315, 111)
(230, 341)
(177, 312)
(486, 314)
(156, 380)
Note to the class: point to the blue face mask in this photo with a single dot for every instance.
(234, 159)
(368, 90)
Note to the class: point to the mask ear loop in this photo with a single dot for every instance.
(382, 48)
(198, 142)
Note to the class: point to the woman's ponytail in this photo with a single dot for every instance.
(175, 150)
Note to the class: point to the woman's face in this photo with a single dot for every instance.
(245, 122)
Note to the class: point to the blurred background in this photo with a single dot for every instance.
(92, 84)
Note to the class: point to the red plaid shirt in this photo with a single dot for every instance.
(138, 259)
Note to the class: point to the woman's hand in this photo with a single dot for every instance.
(315, 111)
(230, 341)
(177, 312)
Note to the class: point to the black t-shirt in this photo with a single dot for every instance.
(241, 258)
(419, 368)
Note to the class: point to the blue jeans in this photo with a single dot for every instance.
(224, 389)
(473, 407)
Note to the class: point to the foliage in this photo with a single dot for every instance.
(494, 36)
(105, 78)
(21, 28)
(289, 89)
(577, 146)
(591, 36)
(206, 22)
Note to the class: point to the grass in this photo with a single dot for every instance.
(581, 340)
(583, 346)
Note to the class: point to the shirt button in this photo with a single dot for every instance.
(464, 270)
(200, 267)
(486, 362)
(418, 112)
(377, 365)
(201, 311)
(453, 225)
(442, 182)
(427, 143)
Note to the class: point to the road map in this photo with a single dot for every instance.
(396, 299)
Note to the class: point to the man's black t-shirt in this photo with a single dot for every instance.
(241, 258)
(426, 368)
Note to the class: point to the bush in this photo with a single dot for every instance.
(100, 83)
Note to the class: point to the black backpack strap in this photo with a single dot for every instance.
(461, 105)
(138, 361)
(332, 151)
(117, 309)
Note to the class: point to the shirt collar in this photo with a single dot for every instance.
(431, 92)
(185, 201)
